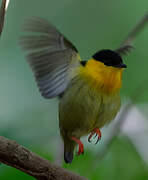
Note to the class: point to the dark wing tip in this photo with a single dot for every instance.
(124, 50)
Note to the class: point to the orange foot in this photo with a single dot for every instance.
(97, 132)
(81, 147)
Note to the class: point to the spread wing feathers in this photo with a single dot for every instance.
(125, 49)
(51, 56)
(126, 46)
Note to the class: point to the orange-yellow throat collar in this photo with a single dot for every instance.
(106, 79)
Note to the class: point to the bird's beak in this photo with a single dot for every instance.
(123, 65)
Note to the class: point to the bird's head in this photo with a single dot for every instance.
(109, 58)
(104, 71)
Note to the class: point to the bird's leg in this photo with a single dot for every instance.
(98, 134)
(81, 147)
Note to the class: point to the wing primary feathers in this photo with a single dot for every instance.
(50, 55)
(51, 79)
(125, 49)
(126, 46)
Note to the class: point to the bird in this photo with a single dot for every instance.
(88, 91)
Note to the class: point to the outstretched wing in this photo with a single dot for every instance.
(127, 45)
(51, 56)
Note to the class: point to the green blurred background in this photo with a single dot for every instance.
(32, 121)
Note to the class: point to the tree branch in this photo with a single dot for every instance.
(15, 155)
(2, 15)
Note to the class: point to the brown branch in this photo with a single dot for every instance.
(2, 15)
(17, 156)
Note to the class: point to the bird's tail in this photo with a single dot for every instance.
(68, 150)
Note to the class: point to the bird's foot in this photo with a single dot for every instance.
(98, 135)
(80, 144)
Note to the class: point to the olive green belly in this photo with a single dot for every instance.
(82, 109)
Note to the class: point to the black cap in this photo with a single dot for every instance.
(109, 58)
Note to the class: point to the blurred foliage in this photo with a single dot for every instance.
(32, 121)
(122, 162)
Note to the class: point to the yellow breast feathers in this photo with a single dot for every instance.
(105, 79)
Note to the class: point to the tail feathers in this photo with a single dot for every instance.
(68, 156)
(68, 151)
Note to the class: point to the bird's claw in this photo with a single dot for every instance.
(80, 144)
(97, 133)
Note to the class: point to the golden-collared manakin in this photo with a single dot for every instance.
(88, 90)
